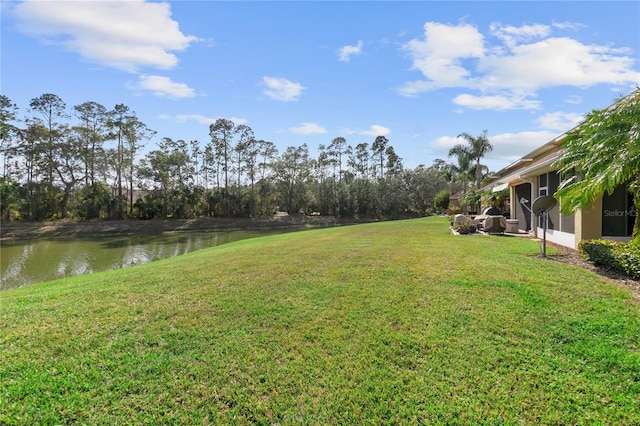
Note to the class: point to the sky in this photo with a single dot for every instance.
(418, 72)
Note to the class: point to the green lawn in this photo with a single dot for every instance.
(385, 323)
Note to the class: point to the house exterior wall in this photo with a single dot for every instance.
(589, 223)
(610, 217)
(568, 223)
(521, 200)
(560, 227)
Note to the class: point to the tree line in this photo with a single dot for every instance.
(87, 162)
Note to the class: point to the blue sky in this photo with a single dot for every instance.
(418, 73)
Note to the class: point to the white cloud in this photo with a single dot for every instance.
(282, 89)
(201, 119)
(445, 143)
(555, 62)
(568, 25)
(164, 87)
(507, 147)
(308, 129)
(575, 100)
(511, 35)
(126, 35)
(414, 88)
(495, 102)
(512, 146)
(440, 54)
(560, 121)
(508, 74)
(345, 53)
(374, 131)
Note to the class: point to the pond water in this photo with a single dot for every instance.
(28, 262)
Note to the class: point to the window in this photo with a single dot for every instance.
(548, 184)
(618, 213)
(542, 181)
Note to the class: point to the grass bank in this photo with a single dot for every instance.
(393, 322)
(75, 228)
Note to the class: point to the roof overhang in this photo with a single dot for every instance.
(499, 187)
(541, 167)
(525, 174)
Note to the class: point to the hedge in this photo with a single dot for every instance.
(615, 255)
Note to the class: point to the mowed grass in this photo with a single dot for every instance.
(385, 323)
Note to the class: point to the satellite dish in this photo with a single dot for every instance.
(543, 204)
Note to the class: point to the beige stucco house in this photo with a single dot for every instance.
(610, 217)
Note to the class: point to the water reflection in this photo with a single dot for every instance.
(29, 262)
(75, 262)
(16, 265)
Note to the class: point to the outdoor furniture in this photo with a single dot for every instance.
(492, 211)
(513, 226)
(488, 212)
(460, 219)
(494, 225)
(478, 221)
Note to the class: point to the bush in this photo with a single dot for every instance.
(613, 255)
(466, 228)
(628, 257)
(598, 252)
(441, 200)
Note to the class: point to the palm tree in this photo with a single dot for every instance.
(604, 152)
(463, 155)
(478, 147)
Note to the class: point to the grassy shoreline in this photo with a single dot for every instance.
(70, 228)
(391, 322)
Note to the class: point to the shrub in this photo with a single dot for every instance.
(466, 228)
(628, 257)
(613, 255)
(598, 252)
(441, 200)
